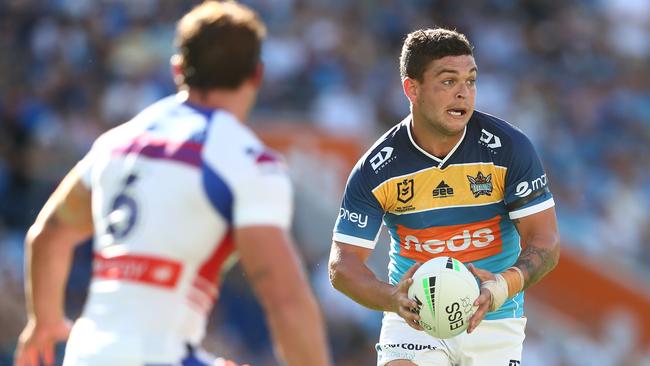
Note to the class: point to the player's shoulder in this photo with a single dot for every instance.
(161, 109)
(497, 132)
(374, 163)
(502, 139)
(235, 149)
(225, 128)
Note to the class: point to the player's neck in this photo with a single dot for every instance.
(238, 101)
(433, 141)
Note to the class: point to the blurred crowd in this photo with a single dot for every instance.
(574, 75)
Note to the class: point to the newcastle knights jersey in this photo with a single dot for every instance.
(168, 188)
(460, 206)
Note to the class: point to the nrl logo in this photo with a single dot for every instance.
(405, 190)
(480, 184)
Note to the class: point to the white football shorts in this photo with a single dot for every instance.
(493, 343)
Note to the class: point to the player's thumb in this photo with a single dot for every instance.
(481, 274)
(411, 271)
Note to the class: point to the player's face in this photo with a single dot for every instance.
(444, 100)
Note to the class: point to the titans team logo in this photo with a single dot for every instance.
(480, 184)
(405, 190)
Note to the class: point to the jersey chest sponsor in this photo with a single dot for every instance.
(465, 242)
(457, 185)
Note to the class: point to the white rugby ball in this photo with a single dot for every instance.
(444, 290)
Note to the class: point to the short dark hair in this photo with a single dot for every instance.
(220, 44)
(425, 45)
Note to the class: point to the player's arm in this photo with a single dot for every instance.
(541, 242)
(64, 222)
(275, 272)
(350, 274)
(541, 253)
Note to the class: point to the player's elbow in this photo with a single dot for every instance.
(337, 272)
(555, 252)
(296, 298)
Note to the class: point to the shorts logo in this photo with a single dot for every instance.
(489, 139)
(408, 346)
(405, 190)
(443, 190)
(381, 158)
(480, 185)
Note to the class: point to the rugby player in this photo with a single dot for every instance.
(169, 197)
(447, 181)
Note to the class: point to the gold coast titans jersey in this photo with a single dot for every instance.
(460, 206)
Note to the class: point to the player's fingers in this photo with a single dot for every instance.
(48, 354)
(484, 298)
(412, 270)
(481, 274)
(31, 356)
(406, 313)
(404, 284)
(476, 319)
(483, 303)
(19, 355)
(414, 324)
(406, 303)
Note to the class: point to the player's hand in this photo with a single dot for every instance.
(401, 304)
(36, 342)
(484, 299)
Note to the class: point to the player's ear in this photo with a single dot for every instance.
(258, 75)
(411, 89)
(176, 62)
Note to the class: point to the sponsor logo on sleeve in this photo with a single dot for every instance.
(382, 158)
(357, 218)
(267, 160)
(524, 188)
(489, 139)
(480, 185)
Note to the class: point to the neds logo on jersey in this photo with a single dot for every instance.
(465, 242)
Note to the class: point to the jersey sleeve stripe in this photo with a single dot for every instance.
(187, 152)
(218, 192)
(513, 206)
(532, 209)
(353, 240)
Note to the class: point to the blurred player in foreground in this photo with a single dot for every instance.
(169, 196)
(447, 181)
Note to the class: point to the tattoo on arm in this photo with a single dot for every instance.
(536, 262)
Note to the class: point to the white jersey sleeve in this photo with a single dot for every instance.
(251, 177)
(101, 149)
(84, 168)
